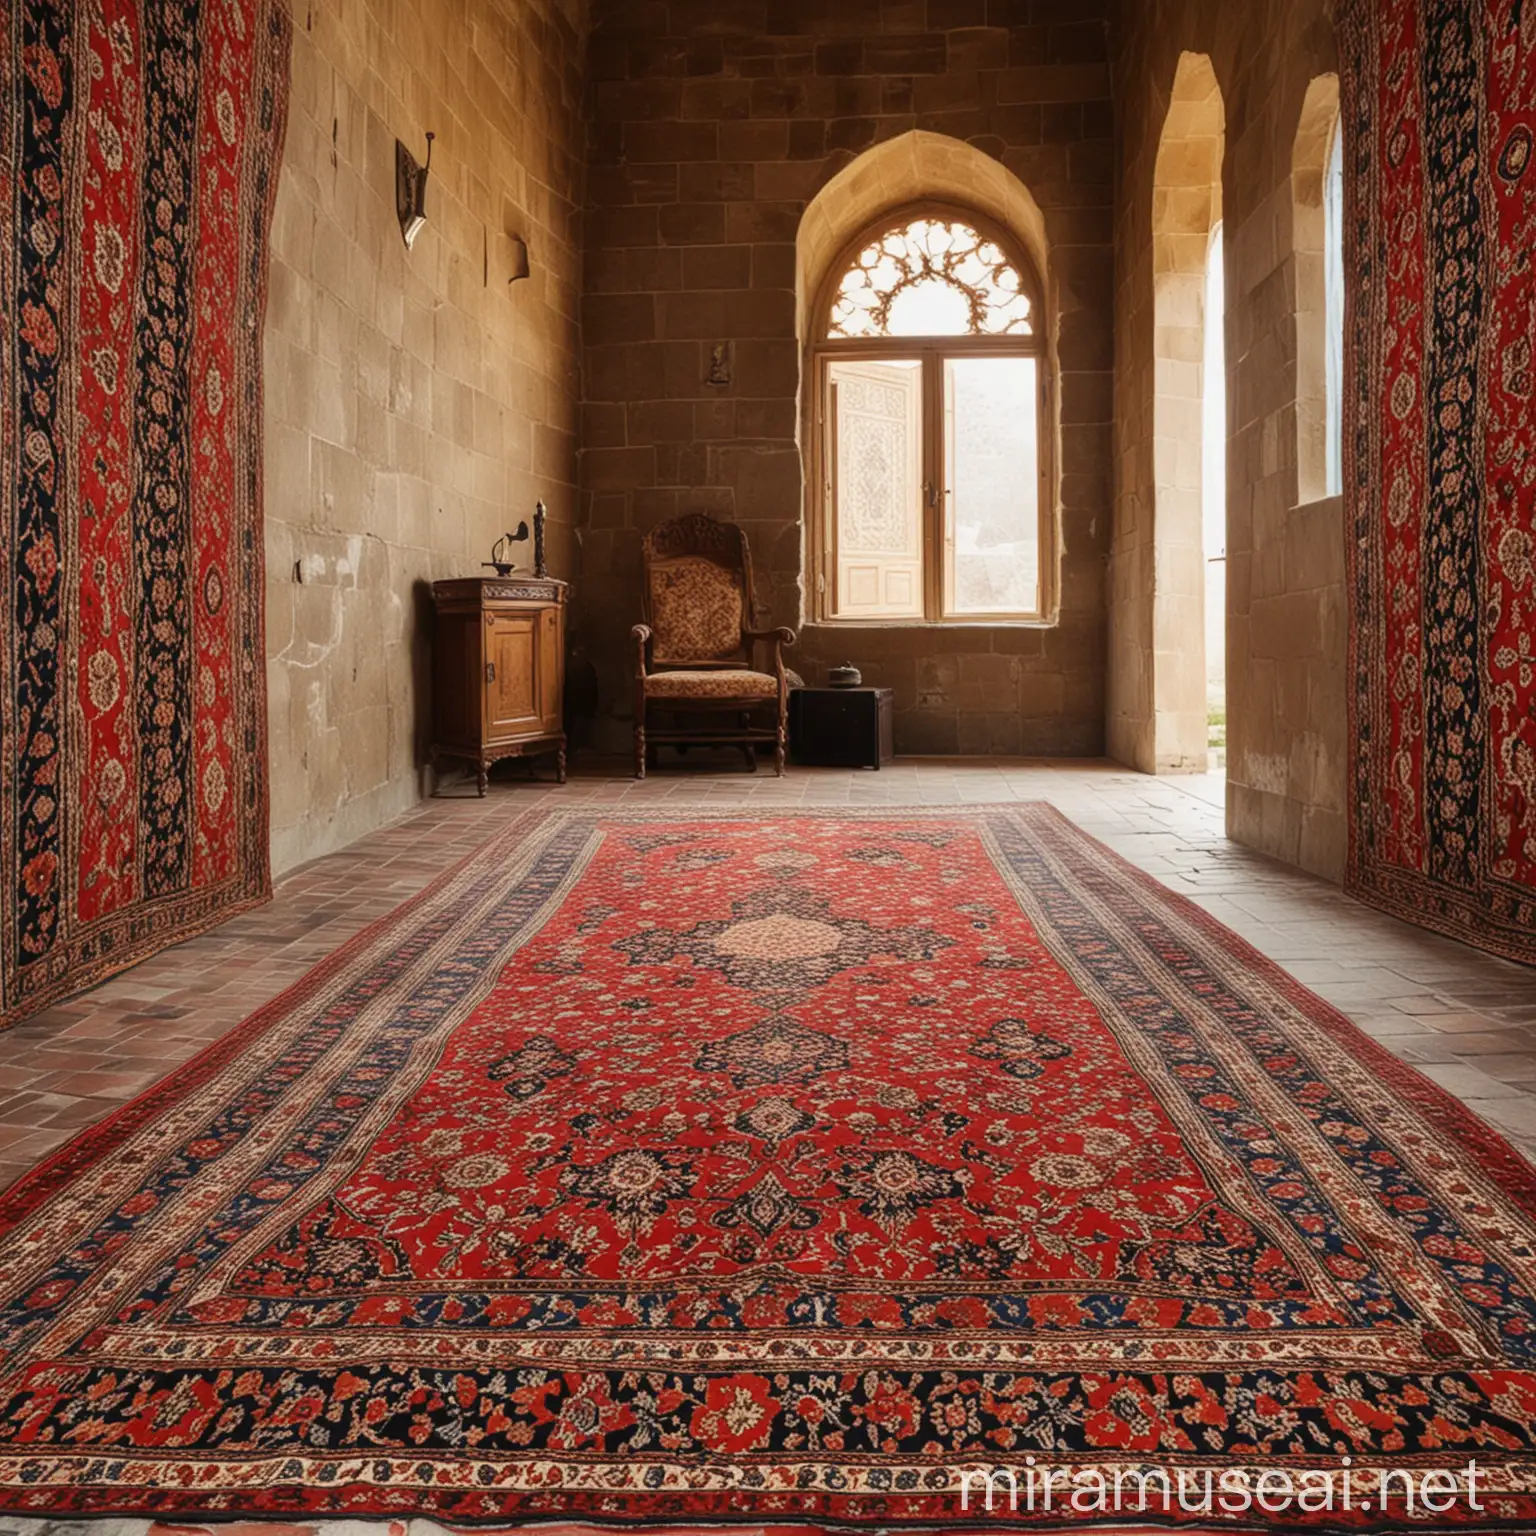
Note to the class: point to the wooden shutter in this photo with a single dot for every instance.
(875, 455)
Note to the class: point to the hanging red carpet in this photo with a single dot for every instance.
(769, 1168)
(139, 151)
(1441, 447)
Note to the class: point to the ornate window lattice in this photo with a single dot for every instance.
(931, 277)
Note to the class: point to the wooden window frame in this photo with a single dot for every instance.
(931, 352)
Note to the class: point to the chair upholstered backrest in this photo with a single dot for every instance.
(698, 591)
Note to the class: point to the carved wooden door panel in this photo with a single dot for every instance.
(513, 703)
(876, 461)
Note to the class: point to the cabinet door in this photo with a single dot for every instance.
(551, 661)
(512, 703)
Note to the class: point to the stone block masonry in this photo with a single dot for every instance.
(713, 123)
(417, 405)
(1286, 611)
(658, 156)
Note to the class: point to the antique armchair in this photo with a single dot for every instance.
(695, 683)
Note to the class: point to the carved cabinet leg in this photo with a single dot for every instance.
(560, 766)
(483, 776)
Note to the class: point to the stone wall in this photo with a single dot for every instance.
(416, 404)
(714, 125)
(1286, 616)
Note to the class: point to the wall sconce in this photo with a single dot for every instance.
(411, 190)
(517, 251)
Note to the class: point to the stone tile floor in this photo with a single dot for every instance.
(1463, 1018)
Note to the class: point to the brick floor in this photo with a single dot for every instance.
(1463, 1018)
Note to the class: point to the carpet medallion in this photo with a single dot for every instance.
(768, 1168)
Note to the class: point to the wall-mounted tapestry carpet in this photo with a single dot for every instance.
(139, 149)
(1440, 109)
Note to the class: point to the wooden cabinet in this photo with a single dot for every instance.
(498, 670)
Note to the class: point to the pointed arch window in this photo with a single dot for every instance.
(931, 373)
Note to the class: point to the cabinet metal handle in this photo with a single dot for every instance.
(490, 671)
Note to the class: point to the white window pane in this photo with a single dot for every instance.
(992, 494)
(876, 411)
(930, 307)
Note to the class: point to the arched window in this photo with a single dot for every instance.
(933, 461)
(1333, 283)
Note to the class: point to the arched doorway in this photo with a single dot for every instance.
(1186, 215)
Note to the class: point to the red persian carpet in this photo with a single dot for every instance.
(139, 151)
(771, 1168)
(1439, 117)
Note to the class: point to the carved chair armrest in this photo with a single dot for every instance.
(777, 639)
(642, 637)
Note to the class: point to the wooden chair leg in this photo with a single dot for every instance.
(640, 742)
(780, 741)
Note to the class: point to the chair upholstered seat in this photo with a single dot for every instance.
(718, 683)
